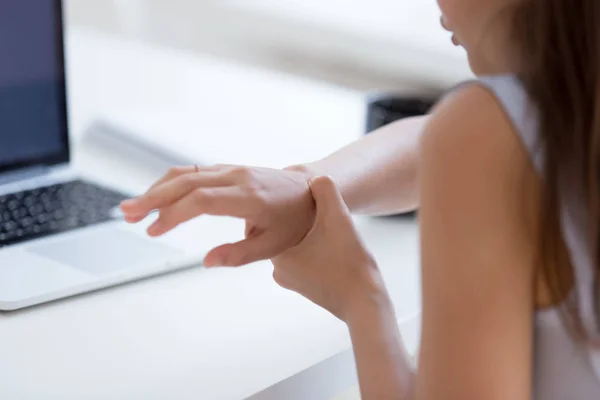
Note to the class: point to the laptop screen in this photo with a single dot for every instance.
(33, 120)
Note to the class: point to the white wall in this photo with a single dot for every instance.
(367, 44)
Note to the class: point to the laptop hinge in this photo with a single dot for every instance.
(28, 173)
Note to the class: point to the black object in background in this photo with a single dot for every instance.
(383, 109)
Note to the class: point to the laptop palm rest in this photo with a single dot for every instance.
(102, 251)
(73, 260)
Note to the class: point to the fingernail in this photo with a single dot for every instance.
(128, 203)
(134, 218)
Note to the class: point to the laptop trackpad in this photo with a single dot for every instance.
(101, 251)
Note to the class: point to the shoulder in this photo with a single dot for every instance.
(471, 115)
(477, 177)
(471, 138)
(477, 194)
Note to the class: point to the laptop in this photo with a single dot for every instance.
(60, 233)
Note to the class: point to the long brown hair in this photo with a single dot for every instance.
(559, 51)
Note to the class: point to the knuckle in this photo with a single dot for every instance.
(253, 190)
(199, 196)
(257, 198)
(260, 197)
(203, 198)
(241, 172)
(174, 171)
(189, 180)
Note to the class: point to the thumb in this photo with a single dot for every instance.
(327, 197)
(247, 251)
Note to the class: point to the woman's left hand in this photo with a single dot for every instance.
(331, 266)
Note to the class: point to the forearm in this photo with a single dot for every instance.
(377, 175)
(383, 365)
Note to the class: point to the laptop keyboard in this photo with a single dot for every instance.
(44, 211)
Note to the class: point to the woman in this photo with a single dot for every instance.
(509, 195)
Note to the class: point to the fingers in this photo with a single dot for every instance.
(327, 197)
(245, 252)
(129, 209)
(173, 173)
(220, 201)
(171, 191)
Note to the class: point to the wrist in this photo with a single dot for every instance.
(369, 297)
(303, 169)
(371, 312)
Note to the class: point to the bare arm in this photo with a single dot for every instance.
(477, 254)
(383, 364)
(477, 267)
(376, 175)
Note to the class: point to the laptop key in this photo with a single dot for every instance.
(63, 207)
(13, 204)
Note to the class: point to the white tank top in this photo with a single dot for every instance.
(564, 369)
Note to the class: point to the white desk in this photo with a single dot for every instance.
(197, 334)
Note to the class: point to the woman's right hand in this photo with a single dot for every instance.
(331, 266)
(276, 204)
